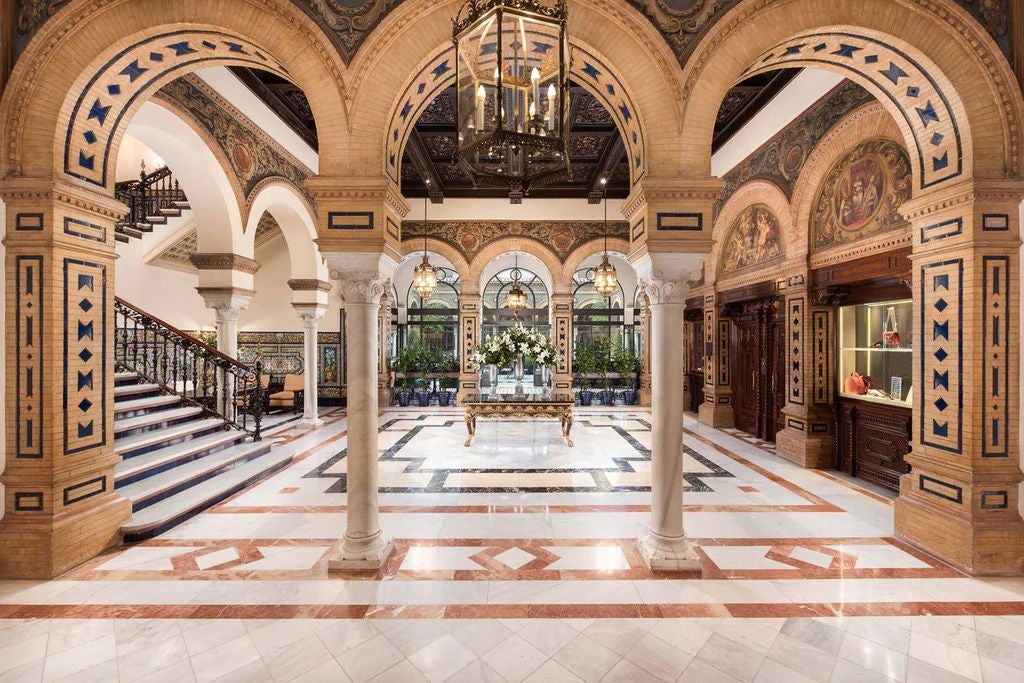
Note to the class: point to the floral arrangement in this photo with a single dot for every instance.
(502, 349)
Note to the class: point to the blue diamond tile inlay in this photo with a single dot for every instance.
(235, 47)
(84, 161)
(871, 59)
(794, 49)
(820, 46)
(941, 404)
(940, 429)
(590, 70)
(98, 112)
(114, 89)
(133, 70)
(440, 70)
(85, 305)
(940, 305)
(846, 50)
(913, 91)
(940, 354)
(927, 114)
(406, 108)
(542, 47)
(610, 88)
(85, 355)
(420, 88)
(182, 48)
(625, 111)
(894, 73)
(939, 163)
(937, 139)
(84, 405)
(89, 136)
(208, 45)
(156, 57)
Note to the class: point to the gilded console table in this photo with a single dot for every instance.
(554, 406)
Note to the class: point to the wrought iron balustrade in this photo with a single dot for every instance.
(151, 200)
(198, 373)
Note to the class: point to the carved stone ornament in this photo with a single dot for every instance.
(362, 288)
(665, 291)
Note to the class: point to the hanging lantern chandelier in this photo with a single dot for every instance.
(516, 299)
(424, 276)
(512, 80)
(606, 280)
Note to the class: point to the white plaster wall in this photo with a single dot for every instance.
(168, 294)
(800, 93)
(130, 153)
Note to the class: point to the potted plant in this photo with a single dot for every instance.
(423, 395)
(403, 363)
(625, 364)
(447, 365)
(603, 359)
(584, 364)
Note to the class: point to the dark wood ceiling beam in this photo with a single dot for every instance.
(424, 165)
(611, 156)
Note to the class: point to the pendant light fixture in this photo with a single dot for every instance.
(606, 280)
(515, 300)
(424, 276)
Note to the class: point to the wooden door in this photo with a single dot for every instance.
(776, 379)
(745, 375)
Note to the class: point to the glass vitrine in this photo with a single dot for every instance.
(876, 351)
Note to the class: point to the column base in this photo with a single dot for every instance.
(665, 554)
(800, 448)
(715, 415)
(311, 422)
(361, 554)
(976, 547)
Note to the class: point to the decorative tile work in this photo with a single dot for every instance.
(85, 355)
(587, 70)
(562, 341)
(110, 92)
(941, 489)
(861, 194)
(470, 237)
(282, 353)
(28, 501)
(85, 490)
(468, 319)
(781, 159)
(709, 344)
(680, 221)
(821, 364)
(28, 359)
(87, 231)
(942, 230)
(752, 240)
(32, 222)
(995, 222)
(926, 111)
(995, 356)
(254, 156)
(722, 356)
(350, 220)
(940, 385)
(795, 321)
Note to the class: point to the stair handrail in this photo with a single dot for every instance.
(148, 195)
(189, 367)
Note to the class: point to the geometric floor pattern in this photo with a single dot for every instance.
(516, 560)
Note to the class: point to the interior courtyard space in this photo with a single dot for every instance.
(489, 341)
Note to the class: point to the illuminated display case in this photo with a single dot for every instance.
(876, 352)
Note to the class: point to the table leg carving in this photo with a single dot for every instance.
(470, 427)
(567, 427)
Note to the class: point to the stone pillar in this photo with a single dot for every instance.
(363, 278)
(561, 332)
(665, 545)
(960, 501)
(808, 436)
(60, 505)
(310, 315)
(384, 352)
(717, 407)
(645, 354)
(470, 311)
(228, 304)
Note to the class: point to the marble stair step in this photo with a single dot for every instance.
(163, 458)
(131, 389)
(125, 377)
(148, 439)
(158, 517)
(147, 403)
(150, 419)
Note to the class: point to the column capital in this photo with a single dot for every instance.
(666, 277)
(227, 302)
(310, 313)
(362, 276)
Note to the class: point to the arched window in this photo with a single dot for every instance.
(596, 316)
(497, 316)
(434, 321)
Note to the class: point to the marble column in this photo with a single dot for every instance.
(665, 546)
(227, 304)
(310, 315)
(363, 279)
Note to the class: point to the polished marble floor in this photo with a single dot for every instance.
(515, 561)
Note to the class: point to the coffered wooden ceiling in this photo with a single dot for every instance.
(595, 148)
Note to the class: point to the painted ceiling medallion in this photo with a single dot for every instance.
(753, 239)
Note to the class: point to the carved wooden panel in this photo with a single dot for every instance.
(873, 440)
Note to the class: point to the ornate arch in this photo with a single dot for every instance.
(753, 199)
(298, 224)
(445, 250)
(527, 246)
(931, 65)
(616, 245)
(91, 66)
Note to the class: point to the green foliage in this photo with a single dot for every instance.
(603, 359)
(625, 362)
(405, 362)
(584, 363)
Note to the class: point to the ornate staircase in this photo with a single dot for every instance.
(152, 200)
(186, 424)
